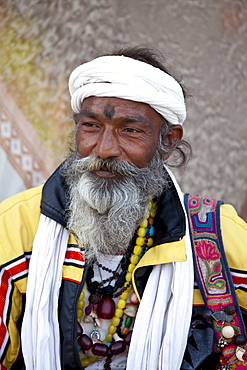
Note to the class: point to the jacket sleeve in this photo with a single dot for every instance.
(234, 234)
(19, 216)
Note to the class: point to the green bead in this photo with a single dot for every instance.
(128, 322)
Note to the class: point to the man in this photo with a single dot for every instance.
(110, 278)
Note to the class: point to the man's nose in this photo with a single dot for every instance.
(108, 145)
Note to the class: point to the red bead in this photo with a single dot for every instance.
(79, 329)
(85, 342)
(106, 308)
(127, 338)
(117, 347)
(100, 349)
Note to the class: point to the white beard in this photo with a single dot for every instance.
(104, 213)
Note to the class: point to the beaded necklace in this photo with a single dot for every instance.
(116, 339)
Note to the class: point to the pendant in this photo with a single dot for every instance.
(106, 308)
(95, 335)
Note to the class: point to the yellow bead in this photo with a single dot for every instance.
(108, 337)
(134, 259)
(140, 240)
(131, 267)
(121, 303)
(144, 223)
(80, 304)
(115, 320)
(128, 286)
(141, 231)
(85, 362)
(137, 250)
(92, 359)
(124, 295)
(118, 312)
(153, 210)
(128, 276)
(79, 313)
(150, 242)
(112, 329)
(82, 295)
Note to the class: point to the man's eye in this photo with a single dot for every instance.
(131, 129)
(88, 124)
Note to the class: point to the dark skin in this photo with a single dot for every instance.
(121, 129)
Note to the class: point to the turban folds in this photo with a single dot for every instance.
(123, 77)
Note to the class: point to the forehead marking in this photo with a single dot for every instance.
(109, 111)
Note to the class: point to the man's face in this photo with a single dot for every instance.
(118, 128)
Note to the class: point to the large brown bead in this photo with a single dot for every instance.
(106, 308)
(85, 342)
(100, 349)
(117, 347)
(79, 329)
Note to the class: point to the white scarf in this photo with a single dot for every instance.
(127, 78)
(163, 319)
(161, 326)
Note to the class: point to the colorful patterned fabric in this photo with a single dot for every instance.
(214, 278)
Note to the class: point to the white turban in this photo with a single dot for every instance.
(127, 78)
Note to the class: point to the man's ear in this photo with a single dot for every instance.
(172, 139)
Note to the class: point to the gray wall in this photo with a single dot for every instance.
(204, 40)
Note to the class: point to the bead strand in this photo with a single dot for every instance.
(108, 347)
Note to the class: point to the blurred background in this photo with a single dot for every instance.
(205, 42)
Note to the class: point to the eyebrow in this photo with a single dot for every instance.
(125, 119)
(88, 114)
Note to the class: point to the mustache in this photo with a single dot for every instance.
(115, 166)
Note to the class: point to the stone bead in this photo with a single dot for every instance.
(131, 267)
(106, 308)
(239, 340)
(112, 329)
(125, 330)
(79, 329)
(100, 349)
(230, 309)
(127, 338)
(150, 242)
(117, 347)
(141, 231)
(144, 223)
(151, 220)
(92, 359)
(151, 230)
(133, 298)
(128, 322)
(115, 321)
(118, 312)
(124, 295)
(227, 332)
(85, 362)
(108, 337)
(121, 303)
(79, 313)
(140, 240)
(128, 276)
(80, 304)
(85, 342)
(134, 259)
(137, 250)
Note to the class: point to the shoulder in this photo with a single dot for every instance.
(234, 233)
(19, 218)
(26, 198)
